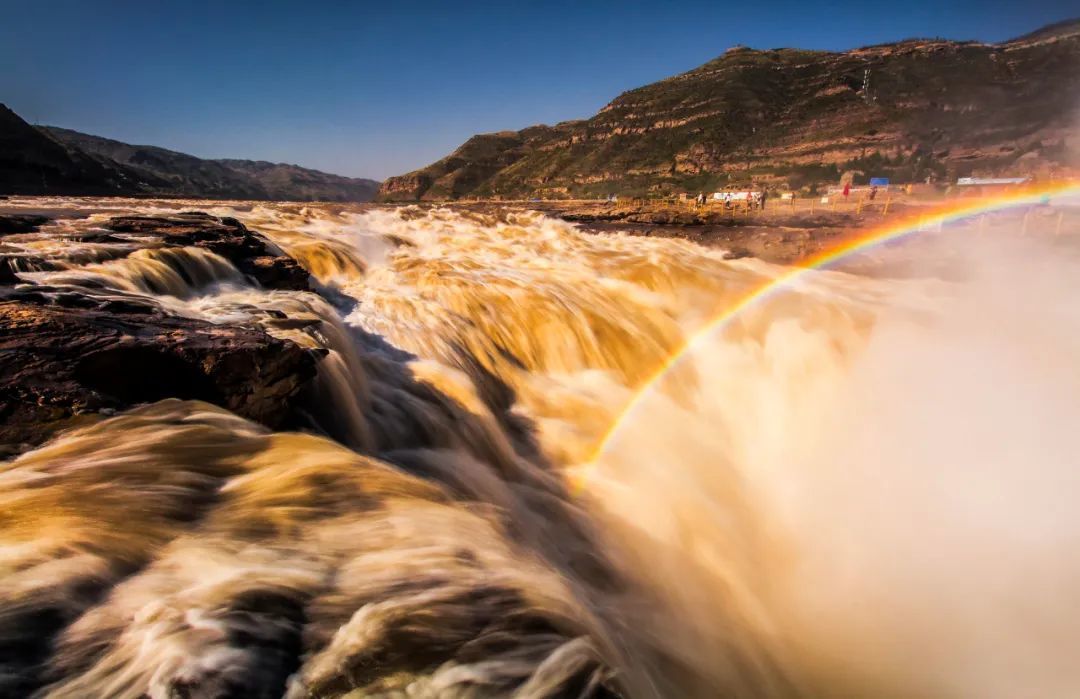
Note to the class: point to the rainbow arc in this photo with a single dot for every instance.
(892, 230)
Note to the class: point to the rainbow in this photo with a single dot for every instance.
(893, 230)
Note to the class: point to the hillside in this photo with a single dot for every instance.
(161, 171)
(51, 160)
(789, 117)
(292, 182)
(33, 163)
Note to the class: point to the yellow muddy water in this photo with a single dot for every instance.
(859, 487)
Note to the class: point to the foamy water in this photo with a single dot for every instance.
(857, 487)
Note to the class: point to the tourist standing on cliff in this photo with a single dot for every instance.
(764, 196)
(847, 190)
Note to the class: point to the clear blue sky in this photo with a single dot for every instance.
(376, 89)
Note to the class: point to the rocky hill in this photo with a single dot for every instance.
(33, 163)
(788, 117)
(51, 160)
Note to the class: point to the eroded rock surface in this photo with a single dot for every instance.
(252, 254)
(66, 356)
(21, 223)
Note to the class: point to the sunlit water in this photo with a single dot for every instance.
(861, 486)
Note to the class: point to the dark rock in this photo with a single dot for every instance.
(65, 356)
(249, 251)
(7, 275)
(29, 262)
(21, 223)
(275, 272)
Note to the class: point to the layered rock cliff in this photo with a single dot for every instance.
(908, 110)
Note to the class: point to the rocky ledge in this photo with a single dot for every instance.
(66, 357)
(249, 251)
(69, 355)
(21, 223)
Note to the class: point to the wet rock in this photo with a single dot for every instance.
(65, 357)
(94, 236)
(252, 254)
(21, 223)
(275, 272)
(7, 274)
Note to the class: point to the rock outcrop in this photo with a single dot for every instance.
(789, 117)
(66, 357)
(250, 252)
(21, 223)
(467, 169)
(7, 274)
(69, 354)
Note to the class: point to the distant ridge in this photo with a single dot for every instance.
(52, 160)
(934, 108)
(1057, 30)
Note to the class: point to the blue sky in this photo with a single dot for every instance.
(376, 89)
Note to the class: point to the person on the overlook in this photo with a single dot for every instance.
(873, 192)
(764, 196)
(847, 190)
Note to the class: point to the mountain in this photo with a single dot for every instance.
(169, 172)
(790, 117)
(292, 182)
(33, 163)
(51, 160)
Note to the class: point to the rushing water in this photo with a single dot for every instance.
(859, 487)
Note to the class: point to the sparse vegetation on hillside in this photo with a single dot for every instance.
(793, 118)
